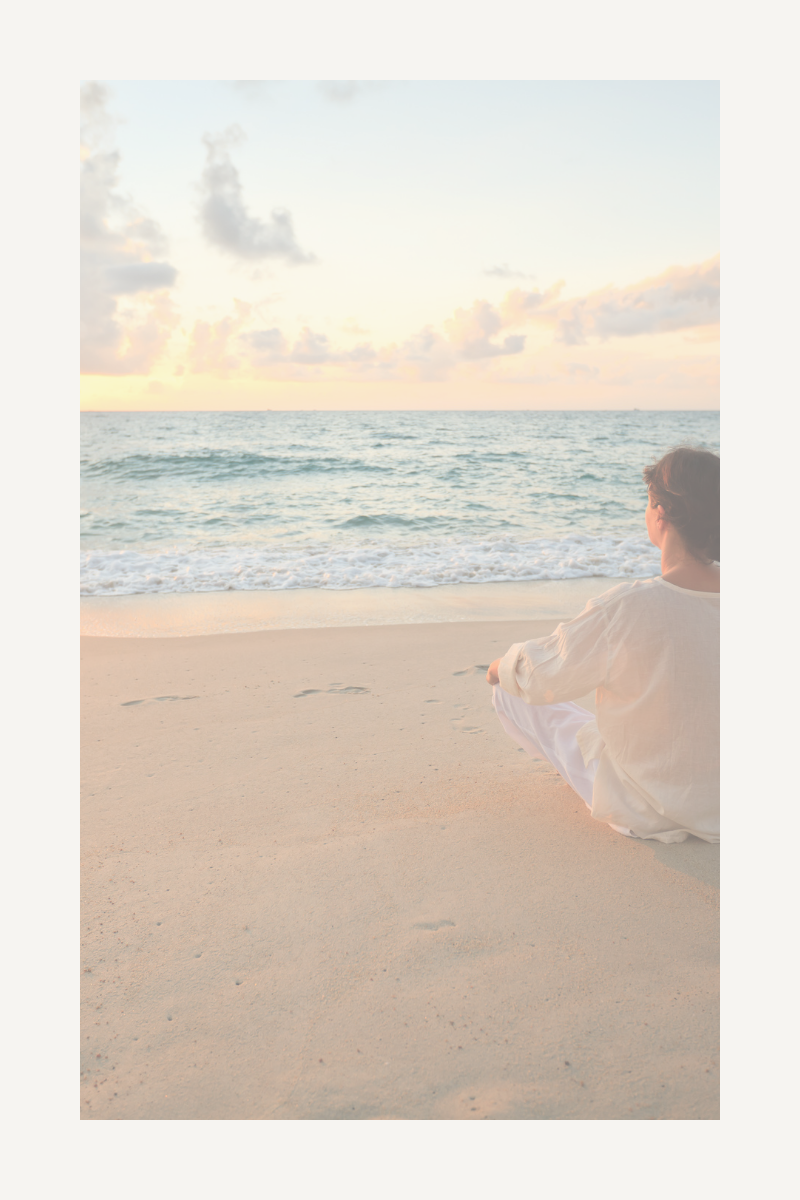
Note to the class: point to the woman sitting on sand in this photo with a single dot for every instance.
(649, 764)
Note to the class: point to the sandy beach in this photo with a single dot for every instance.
(319, 882)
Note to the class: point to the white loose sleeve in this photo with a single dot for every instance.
(572, 661)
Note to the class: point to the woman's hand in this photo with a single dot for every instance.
(492, 675)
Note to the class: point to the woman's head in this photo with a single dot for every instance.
(685, 483)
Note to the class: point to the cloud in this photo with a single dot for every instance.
(126, 278)
(581, 370)
(208, 346)
(226, 222)
(97, 122)
(469, 331)
(680, 298)
(428, 354)
(266, 341)
(518, 307)
(309, 348)
(351, 325)
(481, 335)
(118, 249)
(504, 271)
(227, 347)
(312, 347)
(425, 354)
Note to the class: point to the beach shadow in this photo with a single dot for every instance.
(693, 857)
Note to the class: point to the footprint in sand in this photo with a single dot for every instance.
(335, 689)
(434, 925)
(153, 699)
(479, 668)
(456, 721)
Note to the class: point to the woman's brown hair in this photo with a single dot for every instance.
(685, 482)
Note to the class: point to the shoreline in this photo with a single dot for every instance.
(151, 615)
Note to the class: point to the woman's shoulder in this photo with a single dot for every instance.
(633, 589)
(606, 605)
(652, 594)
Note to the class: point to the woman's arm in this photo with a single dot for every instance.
(572, 661)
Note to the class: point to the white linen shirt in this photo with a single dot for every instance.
(651, 651)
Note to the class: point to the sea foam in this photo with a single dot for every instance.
(365, 565)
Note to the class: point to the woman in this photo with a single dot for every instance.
(648, 764)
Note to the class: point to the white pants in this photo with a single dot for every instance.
(549, 732)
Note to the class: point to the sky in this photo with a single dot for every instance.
(399, 245)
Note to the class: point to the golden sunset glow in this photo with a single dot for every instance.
(401, 287)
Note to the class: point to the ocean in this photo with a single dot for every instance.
(278, 501)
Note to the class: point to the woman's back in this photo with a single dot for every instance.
(658, 709)
(651, 651)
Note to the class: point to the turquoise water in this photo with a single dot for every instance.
(186, 502)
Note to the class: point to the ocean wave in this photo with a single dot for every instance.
(368, 565)
(364, 520)
(216, 466)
